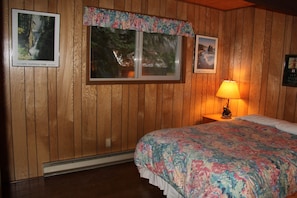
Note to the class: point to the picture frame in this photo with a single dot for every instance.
(290, 71)
(205, 54)
(35, 38)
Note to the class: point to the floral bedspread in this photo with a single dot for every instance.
(222, 159)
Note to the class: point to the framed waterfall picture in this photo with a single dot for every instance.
(205, 54)
(35, 38)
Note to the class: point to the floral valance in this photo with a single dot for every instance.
(138, 22)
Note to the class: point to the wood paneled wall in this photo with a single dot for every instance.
(51, 114)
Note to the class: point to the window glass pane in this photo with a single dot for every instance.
(123, 56)
(159, 54)
(112, 53)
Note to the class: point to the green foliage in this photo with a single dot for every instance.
(160, 47)
(121, 40)
(158, 52)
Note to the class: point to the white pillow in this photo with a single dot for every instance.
(287, 127)
(260, 119)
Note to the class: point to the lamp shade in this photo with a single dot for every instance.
(229, 90)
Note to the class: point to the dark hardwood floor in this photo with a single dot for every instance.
(114, 181)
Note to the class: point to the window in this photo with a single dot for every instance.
(127, 56)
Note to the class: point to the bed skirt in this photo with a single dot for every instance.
(155, 180)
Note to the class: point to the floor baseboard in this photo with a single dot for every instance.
(85, 163)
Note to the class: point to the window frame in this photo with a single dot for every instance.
(179, 66)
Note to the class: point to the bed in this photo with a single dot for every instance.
(250, 156)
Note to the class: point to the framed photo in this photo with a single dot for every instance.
(205, 54)
(35, 38)
(290, 71)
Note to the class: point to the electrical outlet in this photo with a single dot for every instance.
(107, 142)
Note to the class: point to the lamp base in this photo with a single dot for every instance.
(226, 117)
(226, 113)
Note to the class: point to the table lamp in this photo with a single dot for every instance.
(228, 90)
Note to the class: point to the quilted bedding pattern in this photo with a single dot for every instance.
(222, 159)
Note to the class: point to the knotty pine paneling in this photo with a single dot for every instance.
(65, 89)
(7, 162)
(51, 114)
(257, 42)
(286, 50)
(132, 128)
(79, 66)
(290, 106)
(276, 51)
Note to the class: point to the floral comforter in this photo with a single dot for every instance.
(222, 159)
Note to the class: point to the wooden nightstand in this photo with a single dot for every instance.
(214, 117)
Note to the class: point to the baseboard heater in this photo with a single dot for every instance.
(85, 163)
